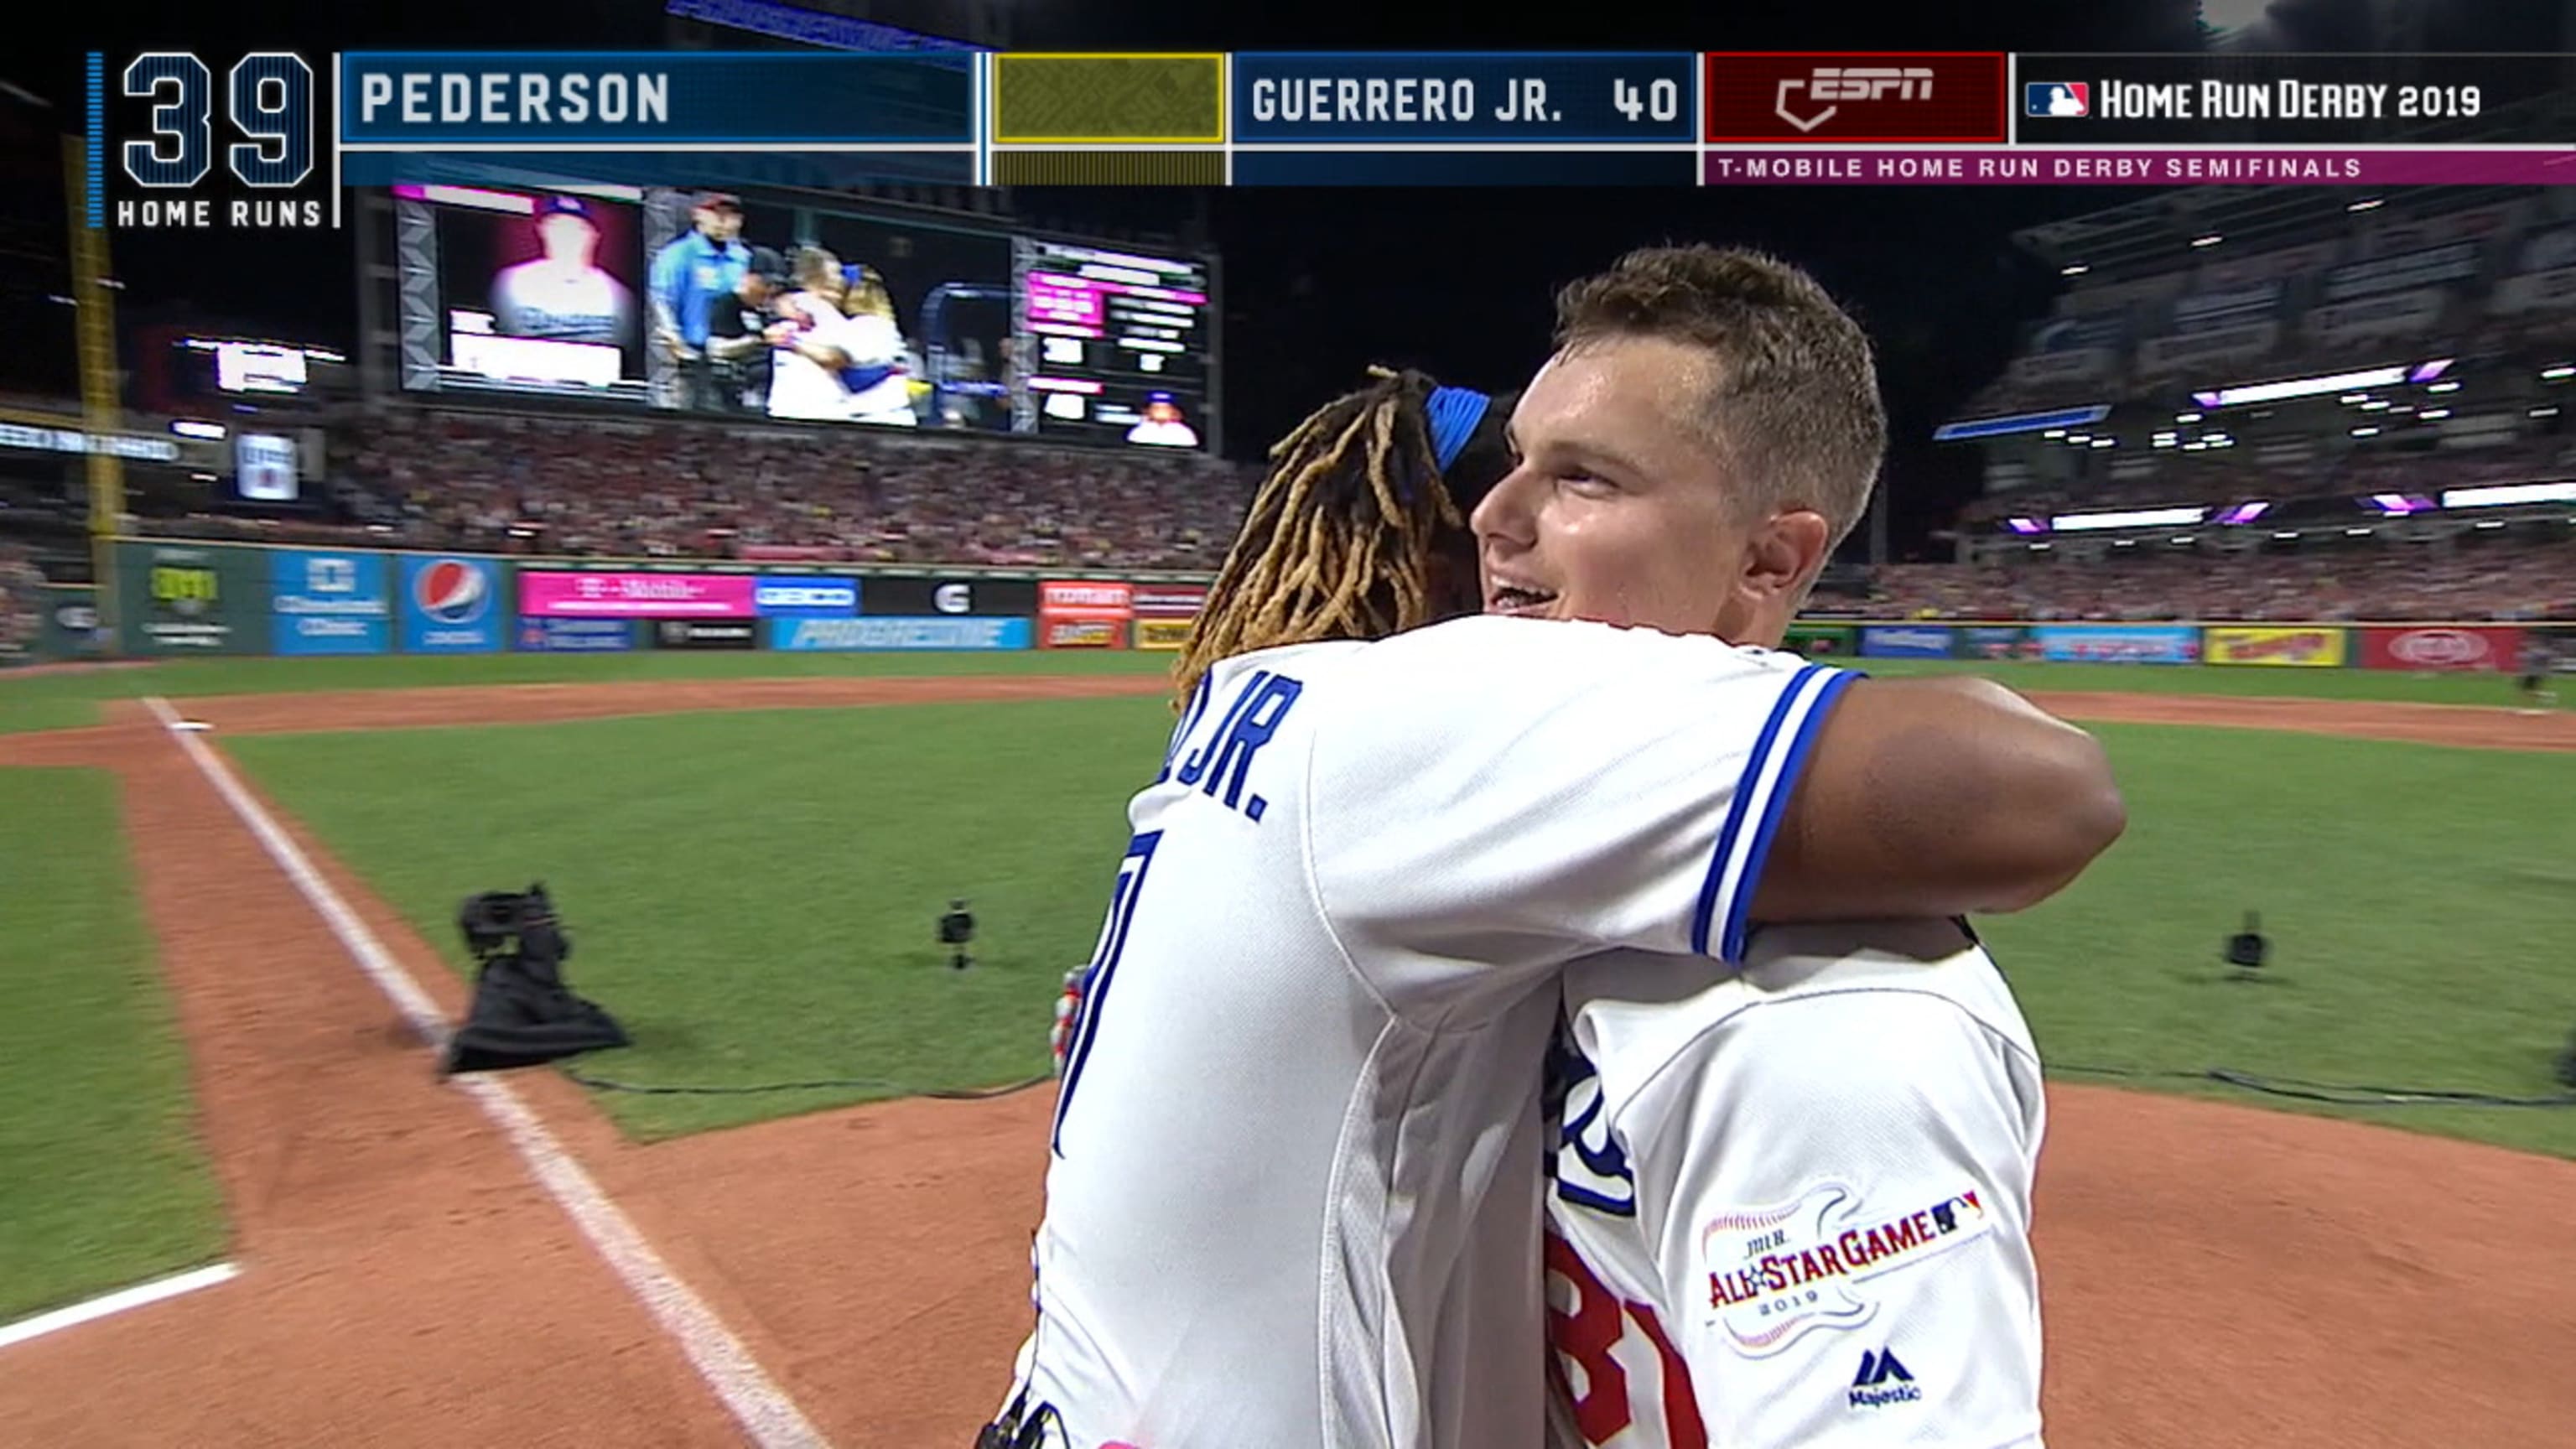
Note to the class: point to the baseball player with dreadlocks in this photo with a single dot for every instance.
(1288, 1196)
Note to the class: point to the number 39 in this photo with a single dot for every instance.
(268, 96)
(1663, 100)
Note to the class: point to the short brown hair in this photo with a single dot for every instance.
(1795, 407)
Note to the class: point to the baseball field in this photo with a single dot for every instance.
(2308, 1204)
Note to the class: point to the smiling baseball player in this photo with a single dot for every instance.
(1291, 1197)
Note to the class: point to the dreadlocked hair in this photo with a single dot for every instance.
(1341, 536)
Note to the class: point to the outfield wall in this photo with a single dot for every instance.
(178, 597)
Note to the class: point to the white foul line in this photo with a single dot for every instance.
(116, 1302)
(764, 1410)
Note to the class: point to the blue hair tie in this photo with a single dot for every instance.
(1455, 412)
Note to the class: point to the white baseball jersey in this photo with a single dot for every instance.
(1791, 1206)
(1293, 1196)
(561, 302)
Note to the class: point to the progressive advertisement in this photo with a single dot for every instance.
(2118, 643)
(2309, 647)
(2441, 647)
(869, 634)
(450, 605)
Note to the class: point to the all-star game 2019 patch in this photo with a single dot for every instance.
(1776, 1272)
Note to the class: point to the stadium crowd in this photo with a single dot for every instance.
(463, 481)
(2420, 581)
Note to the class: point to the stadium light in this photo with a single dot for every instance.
(2210, 240)
(2434, 414)
(2186, 417)
(2194, 447)
(2054, 433)
(2126, 518)
(2368, 203)
(2353, 399)
(2443, 387)
(2108, 442)
(191, 428)
(2365, 432)
(2501, 495)
(2285, 533)
(2073, 269)
(2356, 533)
(2183, 537)
(2490, 523)
(2375, 405)
(2262, 392)
(2557, 372)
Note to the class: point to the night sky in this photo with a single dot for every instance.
(1318, 284)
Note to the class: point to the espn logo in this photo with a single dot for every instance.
(1932, 96)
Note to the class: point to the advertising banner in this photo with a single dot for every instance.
(2204, 311)
(450, 605)
(2440, 646)
(179, 599)
(2266, 266)
(876, 633)
(779, 596)
(706, 633)
(1168, 601)
(2365, 319)
(954, 597)
(2198, 349)
(2432, 265)
(1164, 634)
(1082, 631)
(1814, 640)
(574, 636)
(1997, 641)
(1086, 597)
(2046, 367)
(637, 596)
(2312, 646)
(329, 603)
(1907, 641)
(71, 623)
(2118, 643)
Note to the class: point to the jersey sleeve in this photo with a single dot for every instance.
(1517, 792)
(1837, 1192)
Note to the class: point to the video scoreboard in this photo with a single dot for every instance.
(271, 140)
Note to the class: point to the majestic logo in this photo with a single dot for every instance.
(2437, 648)
(1882, 1381)
(451, 591)
(2057, 100)
(1776, 1272)
(952, 599)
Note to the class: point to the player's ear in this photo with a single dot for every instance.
(1786, 551)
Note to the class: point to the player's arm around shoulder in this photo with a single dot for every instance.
(1938, 797)
(1836, 1190)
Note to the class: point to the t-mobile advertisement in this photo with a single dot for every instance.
(638, 596)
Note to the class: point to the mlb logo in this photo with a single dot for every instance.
(2057, 99)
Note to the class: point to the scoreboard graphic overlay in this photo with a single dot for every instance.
(271, 139)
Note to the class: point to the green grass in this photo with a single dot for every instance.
(752, 894)
(2419, 902)
(106, 1182)
(67, 700)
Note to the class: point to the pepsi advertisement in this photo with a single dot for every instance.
(328, 603)
(450, 605)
